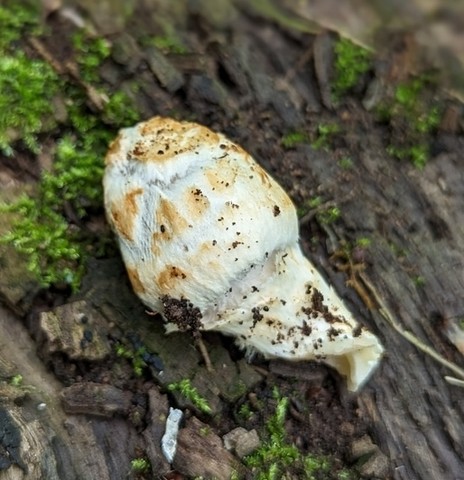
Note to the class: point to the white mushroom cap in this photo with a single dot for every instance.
(192, 219)
(210, 240)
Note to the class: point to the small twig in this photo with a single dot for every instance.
(413, 339)
(305, 58)
(97, 99)
(204, 352)
(353, 270)
(454, 381)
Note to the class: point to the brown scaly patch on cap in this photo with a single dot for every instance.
(162, 139)
(196, 202)
(134, 278)
(113, 151)
(221, 175)
(171, 224)
(123, 214)
(169, 277)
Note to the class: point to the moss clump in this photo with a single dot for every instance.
(276, 458)
(325, 134)
(27, 86)
(351, 62)
(274, 455)
(187, 390)
(329, 215)
(291, 140)
(49, 227)
(140, 465)
(345, 163)
(167, 44)
(43, 236)
(412, 118)
(15, 20)
(56, 250)
(16, 380)
(322, 137)
(136, 356)
(90, 54)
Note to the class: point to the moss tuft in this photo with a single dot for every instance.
(27, 88)
(325, 134)
(49, 227)
(413, 118)
(90, 54)
(187, 390)
(351, 62)
(291, 140)
(277, 458)
(15, 20)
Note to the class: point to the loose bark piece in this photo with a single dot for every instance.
(44, 441)
(95, 399)
(158, 412)
(200, 453)
(77, 330)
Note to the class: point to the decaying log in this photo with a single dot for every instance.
(245, 77)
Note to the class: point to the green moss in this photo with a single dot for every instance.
(276, 457)
(347, 475)
(42, 235)
(16, 380)
(417, 154)
(245, 412)
(346, 163)
(314, 202)
(275, 454)
(205, 431)
(136, 357)
(89, 54)
(291, 140)
(119, 110)
(186, 389)
(55, 249)
(351, 61)
(140, 465)
(316, 467)
(27, 88)
(325, 134)
(329, 215)
(167, 44)
(419, 281)
(16, 19)
(363, 242)
(324, 213)
(413, 119)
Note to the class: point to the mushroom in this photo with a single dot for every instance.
(210, 241)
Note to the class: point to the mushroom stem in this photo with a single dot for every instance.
(294, 314)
